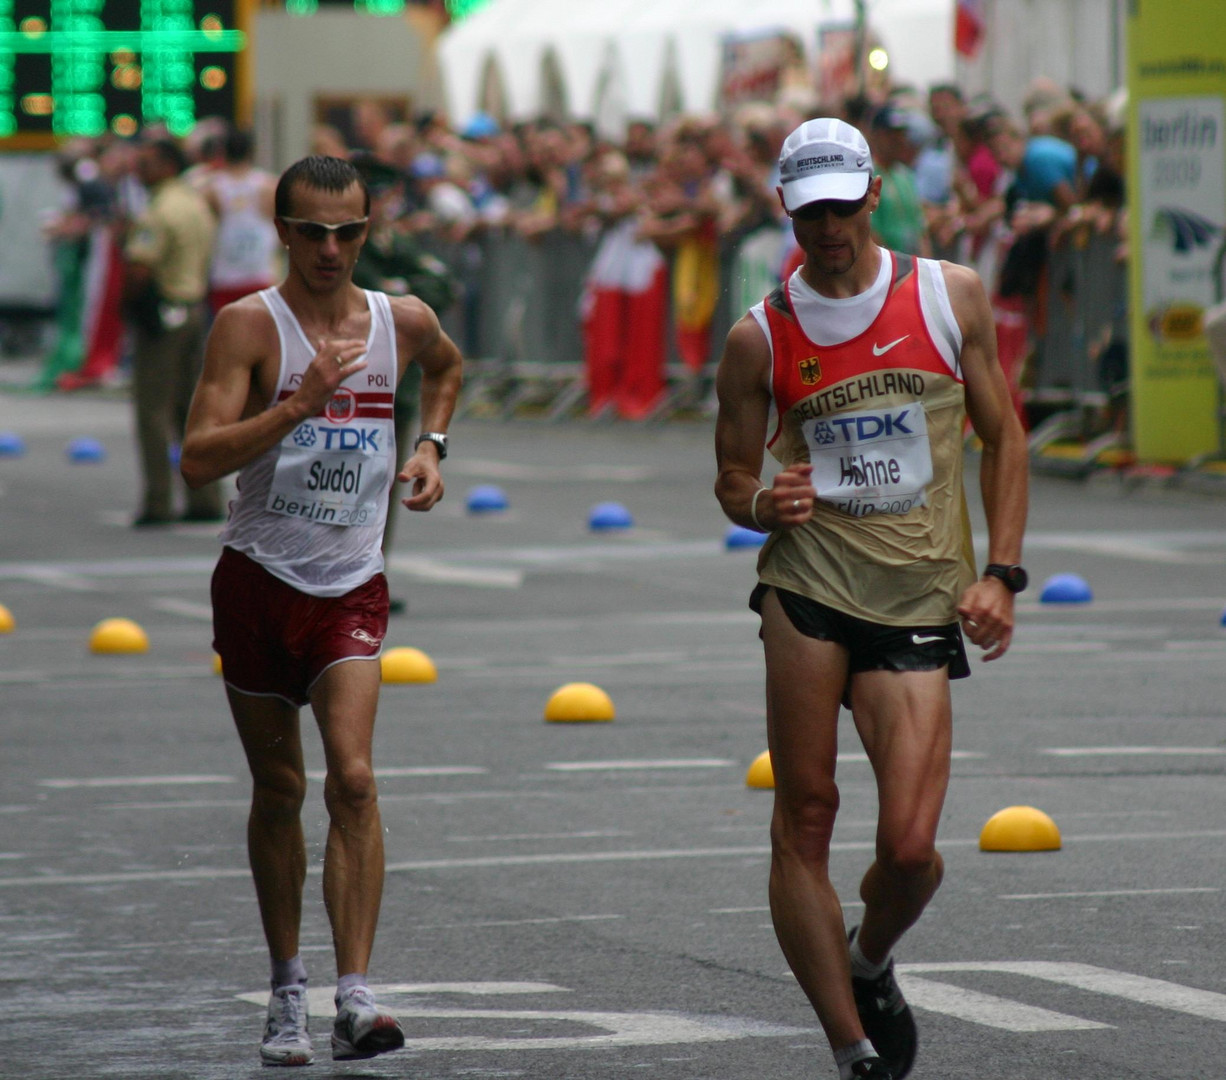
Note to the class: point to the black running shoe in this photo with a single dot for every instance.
(887, 1020)
(871, 1069)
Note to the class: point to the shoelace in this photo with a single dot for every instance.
(288, 1015)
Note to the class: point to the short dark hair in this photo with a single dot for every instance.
(170, 152)
(952, 89)
(322, 173)
(238, 145)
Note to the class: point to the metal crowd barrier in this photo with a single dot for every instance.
(1079, 367)
(519, 322)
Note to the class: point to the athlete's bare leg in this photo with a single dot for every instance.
(268, 728)
(804, 684)
(344, 699)
(904, 722)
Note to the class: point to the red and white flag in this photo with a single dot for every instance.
(970, 26)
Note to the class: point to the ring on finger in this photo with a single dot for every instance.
(795, 504)
(340, 361)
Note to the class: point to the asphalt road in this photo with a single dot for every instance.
(589, 900)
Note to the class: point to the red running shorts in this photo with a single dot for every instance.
(275, 641)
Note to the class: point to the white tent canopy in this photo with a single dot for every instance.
(645, 57)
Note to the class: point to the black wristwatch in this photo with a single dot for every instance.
(1014, 577)
(436, 437)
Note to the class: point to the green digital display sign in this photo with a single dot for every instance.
(86, 67)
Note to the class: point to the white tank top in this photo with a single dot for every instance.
(245, 250)
(311, 510)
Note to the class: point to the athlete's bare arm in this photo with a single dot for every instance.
(742, 383)
(229, 423)
(987, 606)
(420, 340)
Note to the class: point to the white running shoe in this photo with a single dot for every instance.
(363, 1029)
(286, 1039)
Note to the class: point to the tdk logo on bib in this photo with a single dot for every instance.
(876, 461)
(319, 437)
(865, 427)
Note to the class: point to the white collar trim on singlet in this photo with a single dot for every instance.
(829, 321)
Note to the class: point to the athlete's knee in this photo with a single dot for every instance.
(278, 794)
(350, 786)
(910, 855)
(803, 824)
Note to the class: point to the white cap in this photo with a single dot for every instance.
(824, 159)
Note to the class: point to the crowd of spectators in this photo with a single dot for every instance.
(661, 207)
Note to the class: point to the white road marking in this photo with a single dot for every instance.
(485, 924)
(986, 1009)
(135, 781)
(321, 1002)
(655, 658)
(1107, 893)
(1058, 647)
(1100, 540)
(106, 568)
(412, 770)
(589, 834)
(1133, 751)
(609, 1028)
(617, 1029)
(173, 605)
(1161, 605)
(956, 755)
(557, 859)
(509, 470)
(113, 674)
(1205, 1004)
(438, 570)
(657, 763)
(488, 567)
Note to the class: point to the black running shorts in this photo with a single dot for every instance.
(872, 646)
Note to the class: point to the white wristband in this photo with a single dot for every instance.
(753, 510)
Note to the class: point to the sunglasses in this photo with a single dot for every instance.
(316, 231)
(841, 208)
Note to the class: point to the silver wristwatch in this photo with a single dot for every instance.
(436, 437)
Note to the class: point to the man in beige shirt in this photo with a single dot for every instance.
(166, 281)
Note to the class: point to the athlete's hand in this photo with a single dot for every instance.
(987, 616)
(421, 472)
(334, 361)
(791, 497)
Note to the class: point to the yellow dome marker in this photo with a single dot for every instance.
(216, 664)
(761, 773)
(578, 702)
(405, 665)
(118, 636)
(1019, 828)
(7, 623)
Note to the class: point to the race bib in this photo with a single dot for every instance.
(335, 474)
(876, 461)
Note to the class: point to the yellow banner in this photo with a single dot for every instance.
(1177, 221)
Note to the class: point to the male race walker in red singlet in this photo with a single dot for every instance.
(858, 373)
(297, 392)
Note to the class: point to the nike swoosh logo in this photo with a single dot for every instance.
(860, 162)
(926, 639)
(881, 350)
